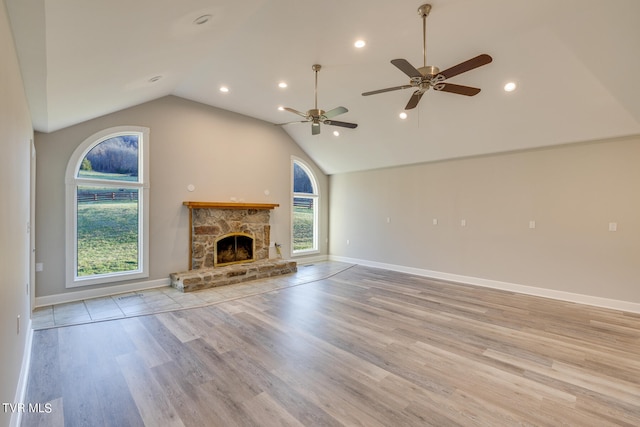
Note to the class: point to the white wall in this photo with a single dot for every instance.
(222, 154)
(15, 136)
(572, 192)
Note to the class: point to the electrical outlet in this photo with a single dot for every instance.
(39, 266)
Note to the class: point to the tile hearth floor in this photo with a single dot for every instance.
(157, 300)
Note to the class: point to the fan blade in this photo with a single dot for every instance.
(413, 101)
(341, 124)
(291, 110)
(389, 89)
(336, 111)
(406, 68)
(315, 128)
(291, 123)
(465, 66)
(460, 90)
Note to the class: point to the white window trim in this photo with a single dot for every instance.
(71, 183)
(316, 212)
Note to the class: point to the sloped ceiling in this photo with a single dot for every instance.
(576, 64)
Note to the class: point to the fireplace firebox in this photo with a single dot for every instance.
(233, 248)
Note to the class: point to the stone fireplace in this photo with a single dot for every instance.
(211, 226)
(229, 243)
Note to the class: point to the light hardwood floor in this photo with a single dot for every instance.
(364, 347)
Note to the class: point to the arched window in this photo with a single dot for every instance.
(305, 209)
(107, 185)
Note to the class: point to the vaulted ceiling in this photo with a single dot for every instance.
(575, 62)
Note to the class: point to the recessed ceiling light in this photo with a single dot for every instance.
(336, 133)
(282, 85)
(402, 115)
(360, 44)
(154, 79)
(202, 19)
(224, 89)
(510, 87)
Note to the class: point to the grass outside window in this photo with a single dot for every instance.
(107, 236)
(302, 228)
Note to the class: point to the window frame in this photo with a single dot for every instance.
(315, 196)
(72, 182)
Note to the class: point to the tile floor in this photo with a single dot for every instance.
(158, 300)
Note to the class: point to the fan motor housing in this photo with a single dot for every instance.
(429, 70)
(315, 113)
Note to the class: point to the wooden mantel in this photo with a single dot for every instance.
(219, 205)
(229, 205)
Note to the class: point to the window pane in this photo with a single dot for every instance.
(301, 181)
(107, 230)
(303, 223)
(114, 159)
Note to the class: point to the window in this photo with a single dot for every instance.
(107, 184)
(305, 209)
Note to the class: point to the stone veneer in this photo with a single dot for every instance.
(211, 223)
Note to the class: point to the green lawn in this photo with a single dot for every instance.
(107, 176)
(302, 228)
(107, 237)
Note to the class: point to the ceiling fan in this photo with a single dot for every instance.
(317, 116)
(427, 77)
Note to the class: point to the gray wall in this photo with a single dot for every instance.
(222, 154)
(15, 143)
(572, 192)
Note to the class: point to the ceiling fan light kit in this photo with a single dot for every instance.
(316, 116)
(429, 76)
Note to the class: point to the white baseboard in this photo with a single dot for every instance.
(100, 292)
(21, 389)
(505, 286)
